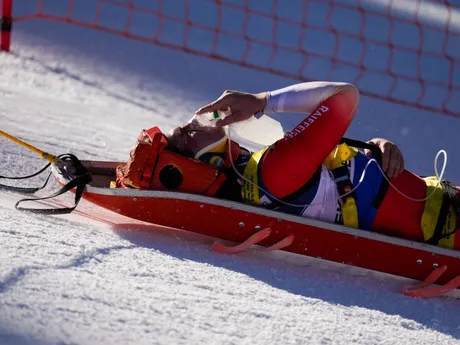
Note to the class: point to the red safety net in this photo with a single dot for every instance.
(402, 51)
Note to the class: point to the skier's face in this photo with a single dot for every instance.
(188, 141)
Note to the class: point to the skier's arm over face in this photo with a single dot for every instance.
(304, 98)
(300, 98)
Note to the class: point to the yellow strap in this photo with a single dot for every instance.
(350, 212)
(340, 155)
(336, 159)
(250, 191)
(431, 213)
(44, 155)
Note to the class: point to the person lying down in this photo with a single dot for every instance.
(311, 172)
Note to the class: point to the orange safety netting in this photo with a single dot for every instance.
(406, 52)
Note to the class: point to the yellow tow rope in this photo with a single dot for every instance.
(44, 155)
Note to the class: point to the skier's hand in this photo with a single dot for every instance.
(392, 158)
(242, 104)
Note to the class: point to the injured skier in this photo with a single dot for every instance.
(312, 173)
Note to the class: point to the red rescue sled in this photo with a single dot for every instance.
(237, 222)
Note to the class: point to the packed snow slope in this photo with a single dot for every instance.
(94, 278)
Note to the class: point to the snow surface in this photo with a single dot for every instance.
(96, 278)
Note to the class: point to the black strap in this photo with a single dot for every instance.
(376, 153)
(25, 190)
(341, 177)
(79, 183)
(74, 166)
(383, 189)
